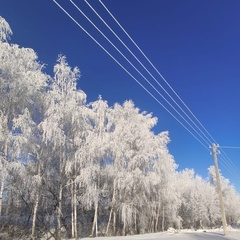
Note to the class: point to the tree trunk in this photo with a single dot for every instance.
(114, 223)
(5, 160)
(36, 206)
(95, 226)
(109, 221)
(75, 209)
(135, 223)
(156, 223)
(74, 198)
(72, 206)
(35, 216)
(157, 218)
(59, 213)
(124, 225)
(163, 218)
(59, 209)
(1, 192)
(113, 203)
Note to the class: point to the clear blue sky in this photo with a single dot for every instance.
(195, 44)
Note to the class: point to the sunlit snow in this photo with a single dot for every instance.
(182, 235)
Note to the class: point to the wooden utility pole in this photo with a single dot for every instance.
(224, 222)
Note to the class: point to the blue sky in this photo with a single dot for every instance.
(193, 43)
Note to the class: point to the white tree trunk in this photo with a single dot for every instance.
(4, 173)
(72, 205)
(109, 221)
(157, 218)
(1, 192)
(35, 216)
(59, 213)
(135, 224)
(95, 225)
(113, 203)
(75, 209)
(114, 222)
(59, 209)
(36, 205)
(163, 218)
(124, 225)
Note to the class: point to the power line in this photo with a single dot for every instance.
(140, 72)
(229, 147)
(79, 25)
(147, 71)
(227, 163)
(144, 76)
(156, 70)
(227, 160)
(232, 170)
(153, 78)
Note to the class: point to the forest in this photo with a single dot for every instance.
(70, 169)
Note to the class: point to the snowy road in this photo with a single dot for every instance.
(177, 236)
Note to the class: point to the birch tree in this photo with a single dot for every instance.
(5, 30)
(60, 127)
(132, 153)
(21, 82)
(164, 197)
(199, 201)
(28, 146)
(230, 197)
(99, 153)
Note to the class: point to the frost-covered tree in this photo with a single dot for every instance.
(5, 30)
(130, 153)
(63, 129)
(199, 201)
(230, 196)
(21, 84)
(76, 133)
(134, 151)
(99, 141)
(164, 197)
(29, 149)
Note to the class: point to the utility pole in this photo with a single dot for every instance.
(224, 222)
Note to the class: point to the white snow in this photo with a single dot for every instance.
(216, 234)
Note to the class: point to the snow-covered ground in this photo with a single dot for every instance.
(182, 235)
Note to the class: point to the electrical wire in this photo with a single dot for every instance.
(227, 160)
(79, 25)
(230, 169)
(140, 72)
(224, 160)
(226, 163)
(157, 70)
(146, 69)
(229, 147)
